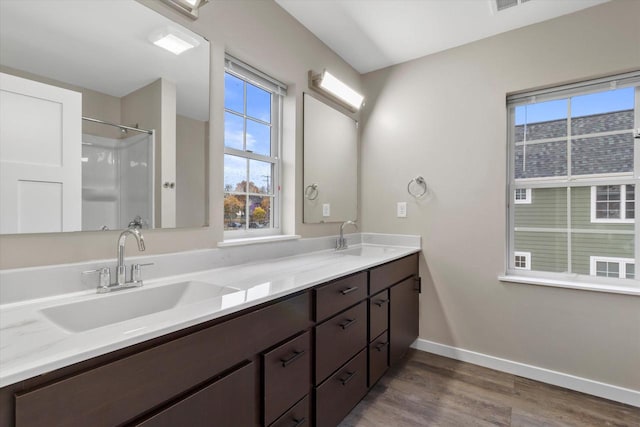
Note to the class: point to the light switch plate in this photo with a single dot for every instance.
(402, 210)
(326, 209)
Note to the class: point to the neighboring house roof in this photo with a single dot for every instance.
(613, 153)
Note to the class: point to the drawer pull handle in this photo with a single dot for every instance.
(296, 355)
(381, 302)
(349, 322)
(299, 422)
(382, 345)
(348, 378)
(349, 290)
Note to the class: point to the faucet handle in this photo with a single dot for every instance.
(136, 271)
(104, 278)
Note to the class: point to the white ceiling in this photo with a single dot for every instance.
(373, 34)
(103, 46)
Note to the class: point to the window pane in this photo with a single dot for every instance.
(590, 112)
(258, 138)
(260, 177)
(587, 245)
(235, 173)
(233, 131)
(603, 154)
(548, 249)
(233, 93)
(541, 160)
(631, 271)
(543, 119)
(631, 195)
(547, 210)
(234, 211)
(258, 103)
(260, 212)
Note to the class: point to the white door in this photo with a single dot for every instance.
(40, 151)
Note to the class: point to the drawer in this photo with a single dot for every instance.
(339, 338)
(378, 357)
(337, 295)
(378, 314)
(391, 273)
(150, 378)
(337, 396)
(287, 376)
(298, 416)
(226, 401)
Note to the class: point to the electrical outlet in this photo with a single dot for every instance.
(402, 210)
(326, 209)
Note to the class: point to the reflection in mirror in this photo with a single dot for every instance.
(104, 123)
(330, 164)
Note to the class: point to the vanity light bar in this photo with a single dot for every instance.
(328, 84)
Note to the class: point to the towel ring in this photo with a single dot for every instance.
(419, 181)
(311, 191)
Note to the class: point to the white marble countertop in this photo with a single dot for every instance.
(31, 344)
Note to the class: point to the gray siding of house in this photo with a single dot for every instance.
(584, 246)
(548, 250)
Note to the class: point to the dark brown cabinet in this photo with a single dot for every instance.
(303, 360)
(403, 318)
(220, 401)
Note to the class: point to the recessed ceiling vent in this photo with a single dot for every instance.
(499, 5)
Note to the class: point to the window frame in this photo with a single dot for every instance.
(623, 207)
(250, 75)
(568, 278)
(527, 260)
(527, 199)
(622, 264)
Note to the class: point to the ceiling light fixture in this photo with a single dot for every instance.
(173, 40)
(188, 7)
(327, 84)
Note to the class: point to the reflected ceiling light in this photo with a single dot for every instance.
(173, 40)
(188, 7)
(327, 84)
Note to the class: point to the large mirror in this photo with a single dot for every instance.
(104, 112)
(330, 164)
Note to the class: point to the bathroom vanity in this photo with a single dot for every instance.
(304, 358)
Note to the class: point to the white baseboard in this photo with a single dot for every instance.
(584, 385)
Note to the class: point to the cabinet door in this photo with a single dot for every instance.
(287, 376)
(226, 402)
(403, 322)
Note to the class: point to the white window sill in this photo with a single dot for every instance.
(613, 289)
(257, 240)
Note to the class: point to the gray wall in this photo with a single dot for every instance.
(261, 34)
(444, 117)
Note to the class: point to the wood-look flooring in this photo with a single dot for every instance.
(430, 390)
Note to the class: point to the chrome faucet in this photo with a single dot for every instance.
(341, 243)
(105, 284)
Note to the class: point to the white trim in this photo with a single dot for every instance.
(560, 379)
(623, 206)
(527, 260)
(622, 264)
(527, 197)
(257, 240)
(570, 284)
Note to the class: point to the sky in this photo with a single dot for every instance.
(583, 105)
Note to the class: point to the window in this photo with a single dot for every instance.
(571, 173)
(622, 268)
(612, 203)
(522, 260)
(252, 144)
(522, 196)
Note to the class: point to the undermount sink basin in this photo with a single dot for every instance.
(124, 305)
(369, 251)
